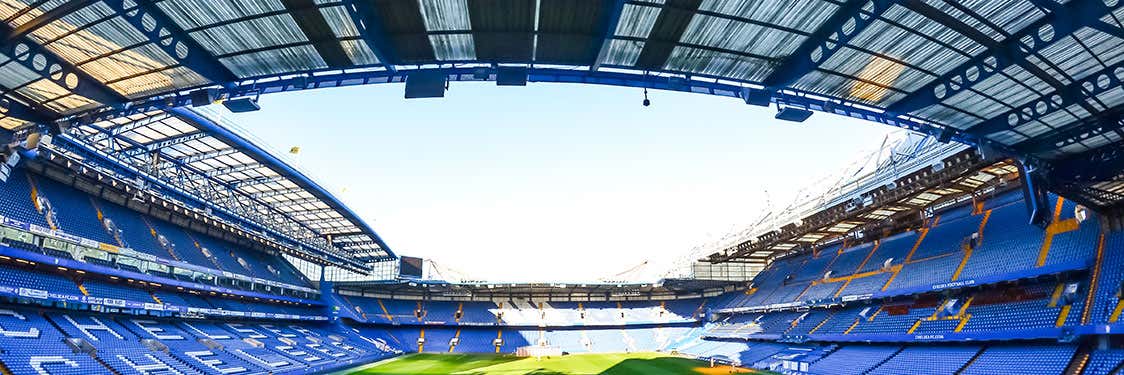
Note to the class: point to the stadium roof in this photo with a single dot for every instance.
(1034, 76)
(196, 154)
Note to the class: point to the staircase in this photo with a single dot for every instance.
(971, 361)
(1093, 280)
(1077, 364)
(106, 365)
(4, 369)
(888, 358)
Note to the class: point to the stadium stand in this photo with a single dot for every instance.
(798, 297)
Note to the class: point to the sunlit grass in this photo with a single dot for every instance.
(484, 364)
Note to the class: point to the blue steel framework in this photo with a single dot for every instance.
(1035, 79)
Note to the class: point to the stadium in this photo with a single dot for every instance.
(144, 231)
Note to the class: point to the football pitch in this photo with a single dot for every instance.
(486, 364)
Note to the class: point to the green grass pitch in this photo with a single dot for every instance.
(487, 364)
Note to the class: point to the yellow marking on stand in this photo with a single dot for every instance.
(1093, 280)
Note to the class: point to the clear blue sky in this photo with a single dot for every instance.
(552, 182)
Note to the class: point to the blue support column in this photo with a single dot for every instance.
(363, 15)
(1034, 194)
(847, 22)
(166, 34)
(1063, 21)
(613, 10)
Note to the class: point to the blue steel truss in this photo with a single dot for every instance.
(169, 37)
(307, 222)
(850, 20)
(51, 67)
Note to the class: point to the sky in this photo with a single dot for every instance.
(553, 182)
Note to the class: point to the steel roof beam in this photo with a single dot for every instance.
(208, 155)
(257, 181)
(364, 15)
(1078, 92)
(17, 110)
(837, 31)
(1064, 20)
(46, 18)
(219, 172)
(932, 13)
(159, 28)
(1077, 132)
(294, 202)
(316, 29)
(51, 67)
(165, 143)
(127, 127)
(613, 9)
(274, 193)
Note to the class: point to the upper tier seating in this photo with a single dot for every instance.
(93, 218)
(936, 255)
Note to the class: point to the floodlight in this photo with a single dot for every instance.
(511, 76)
(243, 104)
(793, 114)
(760, 98)
(425, 84)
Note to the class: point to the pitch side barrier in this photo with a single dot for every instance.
(1076, 265)
(45, 295)
(101, 250)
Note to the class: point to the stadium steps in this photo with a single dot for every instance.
(817, 327)
(4, 369)
(152, 231)
(35, 201)
(195, 244)
(909, 257)
(1056, 227)
(971, 360)
(852, 327)
(101, 221)
(862, 264)
(1093, 279)
(385, 312)
(1116, 312)
(1079, 361)
(884, 360)
(924, 233)
(968, 249)
(1056, 295)
(456, 336)
(104, 364)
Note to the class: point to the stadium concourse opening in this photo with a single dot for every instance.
(141, 232)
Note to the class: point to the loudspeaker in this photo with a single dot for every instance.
(202, 97)
(945, 136)
(756, 97)
(239, 105)
(793, 114)
(511, 76)
(425, 84)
